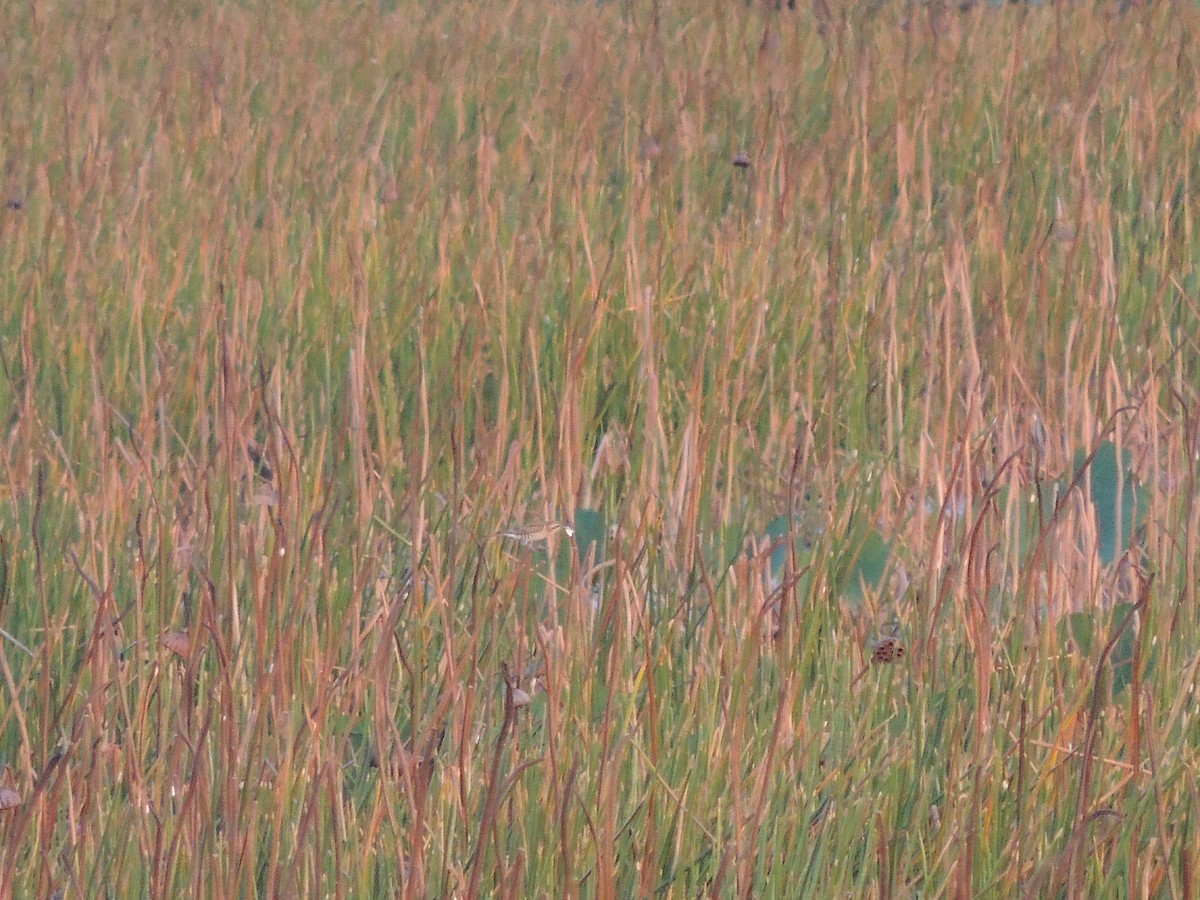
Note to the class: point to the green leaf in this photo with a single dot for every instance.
(869, 565)
(1079, 627)
(1122, 653)
(777, 528)
(1116, 499)
(589, 533)
(1032, 511)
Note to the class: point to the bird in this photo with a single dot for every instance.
(532, 535)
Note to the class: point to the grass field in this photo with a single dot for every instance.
(599, 449)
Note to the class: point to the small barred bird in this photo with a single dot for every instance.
(532, 535)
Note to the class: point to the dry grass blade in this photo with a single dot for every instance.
(286, 344)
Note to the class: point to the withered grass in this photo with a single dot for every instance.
(303, 302)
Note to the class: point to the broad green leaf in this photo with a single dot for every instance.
(869, 565)
(1116, 499)
(1122, 653)
(1079, 628)
(589, 533)
(589, 538)
(777, 528)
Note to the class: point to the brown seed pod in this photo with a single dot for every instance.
(177, 642)
(888, 649)
(258, 456)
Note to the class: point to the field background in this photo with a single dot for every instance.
(833, 333)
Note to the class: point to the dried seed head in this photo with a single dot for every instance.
(612, 453)
(258, 456)
(888, 649)
(1064, 228)
(177, 642)
(265, 495)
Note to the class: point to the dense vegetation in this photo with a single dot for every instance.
(849, 355)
